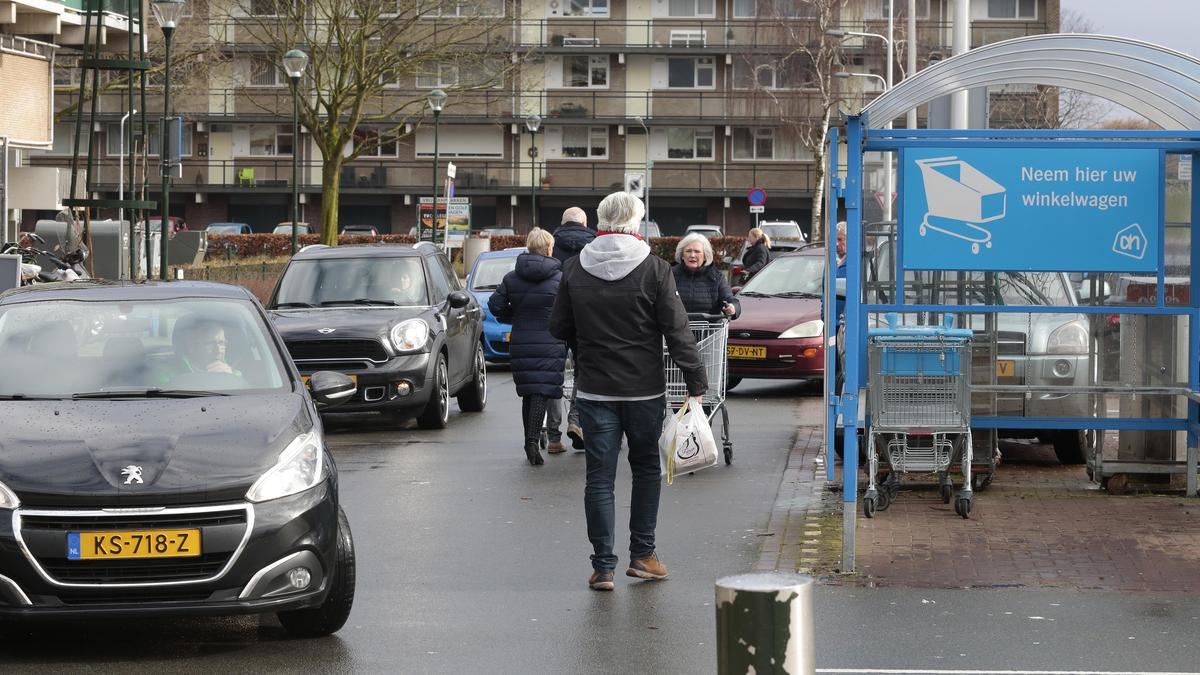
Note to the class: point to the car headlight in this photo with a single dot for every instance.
(805, 330)
(1069, 338)
(301, 466)
(8, 498)
(409, 336)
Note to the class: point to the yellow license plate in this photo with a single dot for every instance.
(133, 544)
(306, 378)
(1006, 368)
(745, 352)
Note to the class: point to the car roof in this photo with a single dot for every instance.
(504, 253)
(105, 290)
(365, 251)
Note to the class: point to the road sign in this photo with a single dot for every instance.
(757, 209)
(757, 196)
(879, 198)
(633, 184)
(1032, 209)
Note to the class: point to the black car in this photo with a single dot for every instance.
(394, 318)
(162, 456)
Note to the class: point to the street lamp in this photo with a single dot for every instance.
(532, 123)
(889, 180)
(294, 63)
(168, 13)
(646, 179)
(437, 99)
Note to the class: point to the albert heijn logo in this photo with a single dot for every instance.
(1130, 241)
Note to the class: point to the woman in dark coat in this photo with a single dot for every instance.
(524, 299)
(701, 286)
(757, 256)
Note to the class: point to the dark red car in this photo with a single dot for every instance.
(780, 332)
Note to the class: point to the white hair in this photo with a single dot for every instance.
(620, 212)
(841, 227)
(691, 239)
(574, 215)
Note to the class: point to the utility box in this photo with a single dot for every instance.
(108, 254)
(187, 247)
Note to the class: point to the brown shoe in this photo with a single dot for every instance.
(647, 568)
(555, 447)
(575, 433)
(601, 580)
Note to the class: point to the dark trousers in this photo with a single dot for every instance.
(604, 424)
(533, 412)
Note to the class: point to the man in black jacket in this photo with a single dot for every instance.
(569, 240)
(616, 304)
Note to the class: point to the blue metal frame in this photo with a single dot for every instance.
(860, 139)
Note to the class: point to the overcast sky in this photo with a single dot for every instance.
(1170, 23)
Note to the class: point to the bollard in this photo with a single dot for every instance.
(765, 624)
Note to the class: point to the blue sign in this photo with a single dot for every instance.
(1031, 209)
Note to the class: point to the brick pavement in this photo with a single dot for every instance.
(1040, 525)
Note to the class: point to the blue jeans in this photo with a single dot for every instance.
(604, 423)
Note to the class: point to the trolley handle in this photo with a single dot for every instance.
(705, 316)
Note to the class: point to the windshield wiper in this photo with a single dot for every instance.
(149, 393)
(797, 294)
(26, 397)
(361, 301)
(283, 305)
(486, 287)
(753, 294)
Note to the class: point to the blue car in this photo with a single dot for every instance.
(485, 277)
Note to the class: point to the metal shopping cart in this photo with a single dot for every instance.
(919, 408)
(960, 198)
(712, 337)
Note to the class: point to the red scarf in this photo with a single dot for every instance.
(601, 233)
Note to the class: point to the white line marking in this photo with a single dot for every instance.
(900, 671)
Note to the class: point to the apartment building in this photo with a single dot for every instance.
(709, 98)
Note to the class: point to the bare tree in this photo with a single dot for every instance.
(797, 86)
(366, 59)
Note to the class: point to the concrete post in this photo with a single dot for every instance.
(765, 624)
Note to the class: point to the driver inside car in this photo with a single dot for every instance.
(201, 347)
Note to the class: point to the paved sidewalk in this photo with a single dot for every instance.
(1040, 525)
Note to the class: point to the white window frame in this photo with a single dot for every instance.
(112, 141)
(593, 62)
(877, 9)
(711, 66)
(379, 150)
(752, 15)
(697, 134)
(589, 10)
(280, 130)
(695, 10)
(755, 134)
(270, 67)
(447, 76)
(593, 134)
(987, 12)
(437, 13)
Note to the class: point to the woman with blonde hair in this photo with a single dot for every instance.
(757, 255)
(524, 299)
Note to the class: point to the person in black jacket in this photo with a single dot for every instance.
(702, 287)
(569, 240)
(757, 256)
(616, 305)
(524, 299)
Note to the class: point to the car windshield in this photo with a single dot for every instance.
(145, 348)
(489, 272)
(791, 276)
(225, 229)
(352, 281)
(782, 231)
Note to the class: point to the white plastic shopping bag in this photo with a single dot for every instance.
(686, 444)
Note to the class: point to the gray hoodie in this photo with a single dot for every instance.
(613, 256)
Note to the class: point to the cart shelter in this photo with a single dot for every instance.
(981, 212)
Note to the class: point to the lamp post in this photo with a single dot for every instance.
(168, 13)
(437, 99)
(294, 63)
(646, 180)
(532, 123)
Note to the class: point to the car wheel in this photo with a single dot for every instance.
(437, 411)
(473, 397)
(1071, 446)
(732, 382)
(330, 615)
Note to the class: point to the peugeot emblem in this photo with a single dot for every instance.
(132, 473)
(325, 331)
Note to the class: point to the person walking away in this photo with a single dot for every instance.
(569, 239)
(757, 255)
(616, 305)
(702, 287)
(524, 299)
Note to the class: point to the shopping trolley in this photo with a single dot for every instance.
(712, 337)
(960, 198)
(919, 408)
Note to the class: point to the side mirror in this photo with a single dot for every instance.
(727, 259)
(839, 287)
(331, 388)
(459, 299)
(1085, 291)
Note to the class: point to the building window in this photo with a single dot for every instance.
(585, 142)
(264, 73)
(753, 143)
(877, 9)
(791, 73)
(263, 7)
(598, 8)
(269, 140)
(700, 8)
(690, 73)
(1012, 9)
(450, 9)
(782, 9)
(112, 144)
(688, 143)
(436, 75)
(585, 71)
(387, 148)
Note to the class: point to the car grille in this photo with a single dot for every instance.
(753, 334)
(337, 350)
(746, 364)
(132, 597)
(220, 528)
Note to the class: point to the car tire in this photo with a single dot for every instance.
(1071, 446)
(437, 412)
(331, 614)
(473, 397)
(732, 382)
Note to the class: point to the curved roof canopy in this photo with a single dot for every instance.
(1161, 84)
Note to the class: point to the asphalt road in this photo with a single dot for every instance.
(472, 561)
